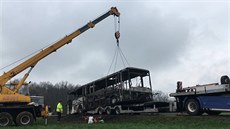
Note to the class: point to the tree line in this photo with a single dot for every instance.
(52, 92)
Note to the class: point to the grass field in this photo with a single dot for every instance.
(137, 122)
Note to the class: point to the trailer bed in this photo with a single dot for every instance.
(213, 88)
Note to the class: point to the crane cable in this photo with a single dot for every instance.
(118, 50)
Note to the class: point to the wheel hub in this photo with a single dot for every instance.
(192, 107)
(4, 121)
(25, 120)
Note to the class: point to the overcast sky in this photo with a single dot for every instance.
(185, 40)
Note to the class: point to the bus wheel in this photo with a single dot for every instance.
(80, 110)
(114, 100)
(5, 119)
(108, 110)
(117, 111)
(193, 107)
(24, 118)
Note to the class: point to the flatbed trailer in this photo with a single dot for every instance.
(211, 98)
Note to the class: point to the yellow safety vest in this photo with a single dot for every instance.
(59, 108)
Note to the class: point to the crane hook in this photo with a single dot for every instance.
(117, 36)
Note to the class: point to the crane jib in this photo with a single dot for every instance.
(97, 20)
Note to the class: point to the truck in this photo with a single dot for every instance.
(128, 90)
(212, 98)
(17, 106)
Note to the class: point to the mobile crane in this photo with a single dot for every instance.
(18, 108)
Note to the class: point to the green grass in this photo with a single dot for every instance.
(139, 122)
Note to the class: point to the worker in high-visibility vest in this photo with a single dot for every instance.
(59, 110)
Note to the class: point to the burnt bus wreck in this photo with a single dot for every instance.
(126, 91)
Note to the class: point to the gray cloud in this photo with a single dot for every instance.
(174, 40)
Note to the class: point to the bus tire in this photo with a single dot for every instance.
(114, 100)
(80, 110)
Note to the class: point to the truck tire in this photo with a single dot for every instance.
(192, 107)
(5, 119)
(225, 80)
(24, 118)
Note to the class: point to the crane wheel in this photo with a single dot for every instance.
(5, 119)
(225, 80)
(24, 118)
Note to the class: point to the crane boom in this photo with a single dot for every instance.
(31, 62)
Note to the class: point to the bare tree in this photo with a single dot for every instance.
(160, 96)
